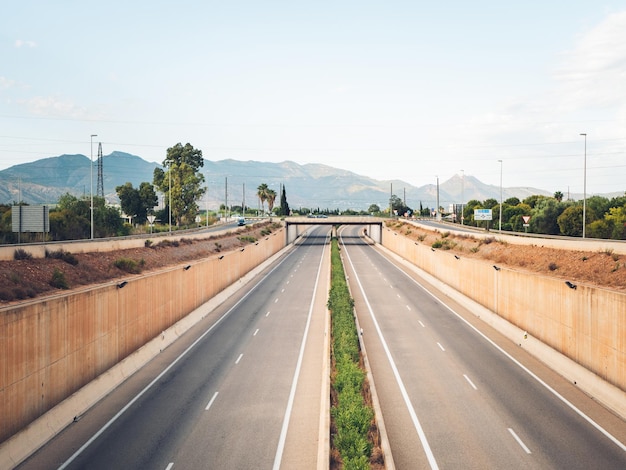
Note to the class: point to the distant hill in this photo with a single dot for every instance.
(311, 185)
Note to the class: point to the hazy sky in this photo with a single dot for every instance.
(388, 89)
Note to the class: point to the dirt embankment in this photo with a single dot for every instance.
(604, 269)
(28, 278)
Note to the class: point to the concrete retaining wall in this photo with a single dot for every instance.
(52, 347)
(586, 324)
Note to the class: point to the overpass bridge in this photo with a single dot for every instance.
(374, 225)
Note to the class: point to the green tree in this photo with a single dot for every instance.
(261, 192)
(137, 203)
(545, 215)
(570, 221)
(270, 195)
(558, 196)
(373, 209)
(284, 205)
(617, 219)
(399, 207)
(183, 164)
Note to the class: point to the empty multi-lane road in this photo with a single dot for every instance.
(455, 394)
(245, 388)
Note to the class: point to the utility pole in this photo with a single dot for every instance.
(91, 178)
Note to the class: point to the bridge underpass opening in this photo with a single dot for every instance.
(374, 225)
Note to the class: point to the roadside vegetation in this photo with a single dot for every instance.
(354, 434)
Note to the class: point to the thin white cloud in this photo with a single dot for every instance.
(594, 72)
(22, 43)
(6, 83)
(53, 107)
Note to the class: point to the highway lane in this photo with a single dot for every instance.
(222, 398)
(452, 397)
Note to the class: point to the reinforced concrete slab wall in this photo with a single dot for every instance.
(50, 348)
(586, 324)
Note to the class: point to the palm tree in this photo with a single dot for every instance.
(270, 195)
(261, 192)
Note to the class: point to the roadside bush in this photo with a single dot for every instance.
(6, 294)
(248, 239)
(129, 265)
(63, 255)
(58, 280)
(20, 253)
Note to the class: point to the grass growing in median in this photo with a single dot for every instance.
(351, 416)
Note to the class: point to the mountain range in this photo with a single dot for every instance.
(235, 182)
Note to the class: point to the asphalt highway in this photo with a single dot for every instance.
(241, 390)
(455, 394)
(222, 396)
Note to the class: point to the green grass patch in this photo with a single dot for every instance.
(129, 265)
(352, 418)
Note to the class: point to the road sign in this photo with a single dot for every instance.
(482, 214)
(526, 218)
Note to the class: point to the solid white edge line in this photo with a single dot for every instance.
(470, 382)
(519, 441)
(211, 400)
(416, 423)
(292, 393)
(167, 369)
(520, 365)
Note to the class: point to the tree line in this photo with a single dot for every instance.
(604, 217)
(179, 180)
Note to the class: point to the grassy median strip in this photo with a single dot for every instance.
(352, 418)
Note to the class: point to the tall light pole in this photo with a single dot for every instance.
(438, 214)
(207, 203)
(585, 187)
(500, 222)
(170, 191)
(91, 179)
(462, 194)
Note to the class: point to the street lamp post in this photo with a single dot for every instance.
(170, 195)
(585, 187)
(462, 194)
(91, 178)
(438, 214)
(500, 222)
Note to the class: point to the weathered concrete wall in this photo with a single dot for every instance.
(586, 324)
(50, 348)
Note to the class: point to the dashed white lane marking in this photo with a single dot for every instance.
(519, 441)
(211, 401)
(282, 290)
(254, 334)
(420, 322)
(276, 300)
(169, 466)
(408, 307)
(239, 358)
(441, 347)
(267, 314)
(470, 382)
